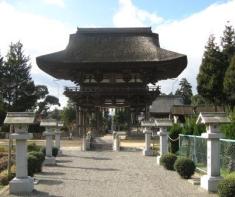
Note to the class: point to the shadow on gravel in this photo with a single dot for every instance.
(51, 173)
(63, 161)
(96, 158)
(88, 168)
(50, 182)
(36, 193)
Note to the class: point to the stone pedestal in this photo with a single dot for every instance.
(49, 160)
(163, 143)
(57, 142)
(116, 143)
(212, 179)
(147, 148)
(84, 144)
(22, 183)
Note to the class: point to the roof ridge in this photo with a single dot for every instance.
(115, 30)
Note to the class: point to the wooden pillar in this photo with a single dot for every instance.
(78, 119)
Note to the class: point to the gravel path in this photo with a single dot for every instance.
(111, 174)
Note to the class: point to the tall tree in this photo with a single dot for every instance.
(228, 43)
(211, 73)
(44, 105)
(185, 91)
(69, 114)
(17, 87)
(229, 83)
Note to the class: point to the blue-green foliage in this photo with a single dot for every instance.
(191, 128)
(175, 130)
(228, 130)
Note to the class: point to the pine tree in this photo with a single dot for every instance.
(185, 91)
(211, 73)
(229, 83)
(17, 87)
(228, 43)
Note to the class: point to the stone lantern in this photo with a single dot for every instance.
(163, 124)
(50, 125)
(212, 135)
(147, 132)
(22, 183)
(57, 137)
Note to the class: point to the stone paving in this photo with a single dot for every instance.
(110, 174)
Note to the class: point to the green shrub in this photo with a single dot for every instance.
(191, 128)
(33, 147)
(175, 130)
(168, 161)
(228, 130)
(54, 151)
(226, 187)
(40, 158)
(32, 164)
(185, 167)
(43, 150)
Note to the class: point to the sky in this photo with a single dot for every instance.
(43, 26)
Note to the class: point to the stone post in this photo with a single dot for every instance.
(57, 142)
(163, 142)
(212, 120)
(116, 140)
(84, 143)
(51, 125)
(163, 124)
(22, 183)
(116, 143)
(147, 149)
(49, 160)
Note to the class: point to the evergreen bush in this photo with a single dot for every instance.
(33, 147)
(40, 159)
(32, 164)
(185, 167)
(175, 130)
(55, 151)
(168, 161)
(226, 187)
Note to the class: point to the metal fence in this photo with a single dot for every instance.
(195, 148)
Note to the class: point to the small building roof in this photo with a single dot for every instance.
(163, 122)
(49, 123)
(20, 118)
(163, 104)
(212, 117)
(149, 123)
(182, 110)
(208, 108)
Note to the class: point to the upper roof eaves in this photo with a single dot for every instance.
(115, 30)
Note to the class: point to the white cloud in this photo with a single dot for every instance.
(59, 3)
(130, 16)
(187, 36)
(38, 34)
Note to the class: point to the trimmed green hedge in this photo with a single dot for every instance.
(32, 164)
(35, 162)
(54, 151)
(185, 167)
(168, 161)
(33, 147)
(40, 159)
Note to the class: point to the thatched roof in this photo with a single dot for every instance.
(163, 104)
(206, 108)
(182, 110)
(113, 48)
